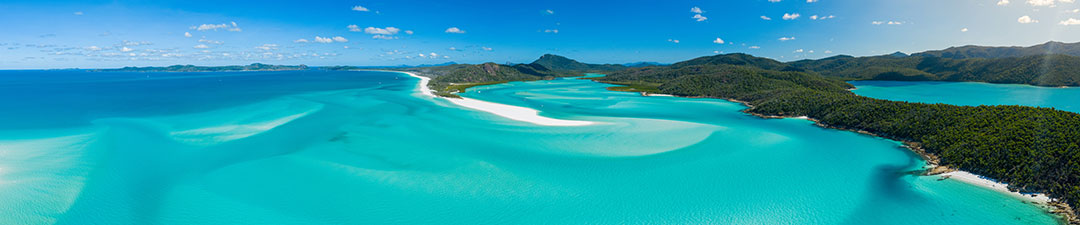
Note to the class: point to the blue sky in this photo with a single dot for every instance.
(100, 34)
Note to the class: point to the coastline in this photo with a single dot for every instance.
(933, 168)
(507, 111)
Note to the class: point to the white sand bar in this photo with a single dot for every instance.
(508, 111)
(971, 178)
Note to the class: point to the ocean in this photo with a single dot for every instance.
(363, 147)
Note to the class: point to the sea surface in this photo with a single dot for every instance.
(319, 147)
(971, 93)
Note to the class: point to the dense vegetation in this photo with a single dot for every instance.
(191, 68)
(450, 79)
(1033, 149)
(972, 51)
(1041, 70)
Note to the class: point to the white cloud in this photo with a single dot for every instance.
(360, 9)
(1070, 21)
(766, 18)
(696, 10)
(93, 48)
(235, 28)
(1026, 19)
(354, 28)
(816, 17)
(887, 22)
(799, 51)
(300, 41)
(126, 49)
(135, 43)
(409, 32)
(340, 39)
(554, 31)
(187, 34)
(1041, 2)
(211, 41)
(455, 30)
(206, 27)
(676, 41)
(755, 47)
(786, 38)
(487, 49)
(774, 0)
(718, 41)
(79, 13)
(828, 52)
(811, 1)
(201, 46)
(376, 30)
(383, 37)
(323, 40)
(1003, 2)
(964, 30)
(699, 17)
(549, 12)
(791, 16)
(267, 47)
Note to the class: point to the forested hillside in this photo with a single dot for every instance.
(1040, 70)
(973, 51)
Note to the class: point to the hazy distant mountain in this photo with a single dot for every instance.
(192, 68)
(430, 65)
(644, 64)
(972, 51)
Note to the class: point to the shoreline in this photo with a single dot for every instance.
(933, 168)
(516, 113)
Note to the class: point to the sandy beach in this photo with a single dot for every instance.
(977, 180)
(508, 111)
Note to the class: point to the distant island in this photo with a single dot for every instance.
(1031, 148)
(192, 68)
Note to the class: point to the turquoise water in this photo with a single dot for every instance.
(365, 148)
(971, 93)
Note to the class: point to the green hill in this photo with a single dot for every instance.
(1041, 70)
(570, 67)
